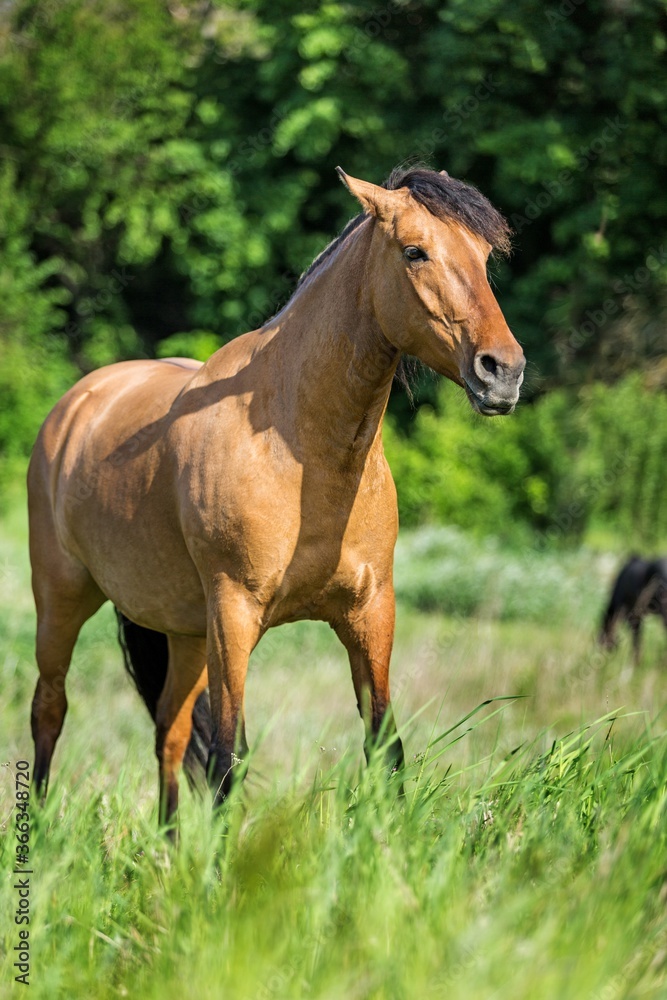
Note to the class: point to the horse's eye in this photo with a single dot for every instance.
(415, 253)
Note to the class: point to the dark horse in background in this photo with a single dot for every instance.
(640, 589)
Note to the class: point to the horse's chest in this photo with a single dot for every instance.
(326, 565)
(322, 585)
(298, 537)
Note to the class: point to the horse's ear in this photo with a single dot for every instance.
(376, 200)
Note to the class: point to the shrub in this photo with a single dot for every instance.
(563, 467)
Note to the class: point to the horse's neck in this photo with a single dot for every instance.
(340, 366)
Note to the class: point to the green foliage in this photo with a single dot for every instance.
(192, 150)
(34, 368)
(494, 476)
(198, 344)
(626, 458)
(570, 463)
(169, 170)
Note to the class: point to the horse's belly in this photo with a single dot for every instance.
(154, 591)
(145, 570)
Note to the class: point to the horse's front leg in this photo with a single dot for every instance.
(367, 632)
(233, 630)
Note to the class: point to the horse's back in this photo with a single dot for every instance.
(95, 415)
(635, 576)
(659, 569)
(104, 404)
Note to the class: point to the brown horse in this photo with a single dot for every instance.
(212, 502)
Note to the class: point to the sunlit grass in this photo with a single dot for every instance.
(540, 874)
(526, 860)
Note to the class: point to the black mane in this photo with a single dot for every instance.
(446, 198)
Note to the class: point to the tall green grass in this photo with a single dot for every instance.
(526, 860)
(536, 874)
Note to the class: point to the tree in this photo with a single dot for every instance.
(169, 170)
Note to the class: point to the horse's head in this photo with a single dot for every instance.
(429, 286)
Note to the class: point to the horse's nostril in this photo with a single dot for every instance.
(488, 364)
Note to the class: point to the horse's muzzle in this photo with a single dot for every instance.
(492, 384)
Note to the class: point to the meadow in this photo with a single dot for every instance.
(168, 170)
(527, 858)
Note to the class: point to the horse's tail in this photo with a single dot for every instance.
(146, 657)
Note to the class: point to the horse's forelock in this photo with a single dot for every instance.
(448, 198)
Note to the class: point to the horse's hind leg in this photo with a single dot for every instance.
(63, 605)
(635, 623)
(185, 681)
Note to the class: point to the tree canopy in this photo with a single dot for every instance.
(168, 170)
